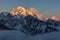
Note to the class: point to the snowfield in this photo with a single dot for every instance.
(17, 35)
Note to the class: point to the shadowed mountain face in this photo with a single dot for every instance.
(3, 27)
(27, 24)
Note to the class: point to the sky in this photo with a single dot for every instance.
(46, 7)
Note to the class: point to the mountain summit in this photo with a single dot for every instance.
(26, 12)
(30, 11)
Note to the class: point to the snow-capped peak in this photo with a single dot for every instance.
(32, 12)
(26, 12)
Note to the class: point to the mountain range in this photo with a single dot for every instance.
(27, 21)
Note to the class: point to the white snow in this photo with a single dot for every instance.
(17, 35)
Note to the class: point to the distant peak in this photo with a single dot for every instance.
(54, 18)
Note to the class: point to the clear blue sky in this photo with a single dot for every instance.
(46, 7)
